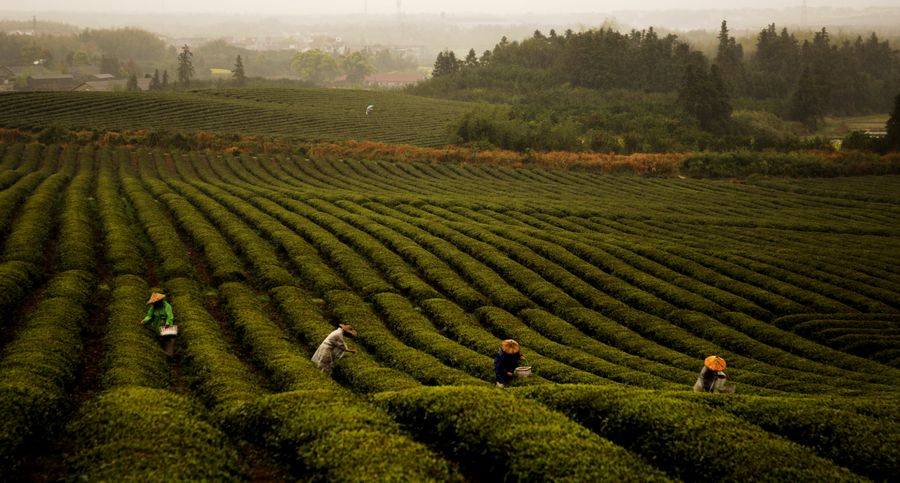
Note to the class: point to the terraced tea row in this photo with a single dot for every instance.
(309, 115)
(621, 285)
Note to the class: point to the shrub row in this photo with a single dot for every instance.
(500, 437)
(355, 268)
(76, 246)
(120, 240)
(706, 270)
(257, 251)
(332, 436)
(221, 379)
(392, 266)
(754, 355)
(14, 195)
(173, 258)
(771, 285)
(507, 326)
(141, 434)
(841, 299)
(32, 228)
(487, 281)
(563, 332)
(685, 439)
(788, 341)
(37, 368)
(305, 321)
(316, 424)
(867, 445)
(885, 297)
(414, 329)
(289, 368)
(221, 258)
(305, 258)
(435, 270)
(133, 356)
(348, 308)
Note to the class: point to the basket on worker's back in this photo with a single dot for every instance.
(168, 330)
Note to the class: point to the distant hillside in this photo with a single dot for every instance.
(307, 114)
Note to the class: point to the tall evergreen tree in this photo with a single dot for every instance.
(704, 96)
(806, 104)
(165, 80)
(185, 66)
(154, 81)
(730, 59)
(238, 72)
(471, 59)
(445, 64)
(132, 84)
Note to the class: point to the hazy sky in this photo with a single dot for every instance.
(301, 7)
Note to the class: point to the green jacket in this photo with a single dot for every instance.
(159, 316)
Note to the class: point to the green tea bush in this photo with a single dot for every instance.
(349, 308)
(686, 440)
(304, 321)
(120, 240)
(331, 436)
(133, 356)
(500, 437)
(37, 368)
(416, 330)
(140, 434)
(33, 226)
(870, 446)
(257, 251)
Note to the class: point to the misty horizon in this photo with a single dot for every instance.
(412, 7)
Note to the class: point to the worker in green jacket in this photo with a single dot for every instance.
(159, 313)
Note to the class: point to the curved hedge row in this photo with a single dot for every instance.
(142, 434)
(37, 368)
(686, 440)
(501, 437)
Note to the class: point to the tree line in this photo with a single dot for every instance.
(785, 78)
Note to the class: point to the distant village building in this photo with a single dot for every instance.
(393, 80)
(7, 79)
(50, 82)
(112, 85)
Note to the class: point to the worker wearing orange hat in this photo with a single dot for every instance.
(506, 361)
(712, 376)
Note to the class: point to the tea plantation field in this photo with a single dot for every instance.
(616, 286)
(308, 114)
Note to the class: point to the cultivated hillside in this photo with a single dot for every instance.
(617, 287)
(303, 114)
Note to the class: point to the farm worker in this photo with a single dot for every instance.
(369, 109)
(506, 361)
(159, 313)
(333, 348)
(712, 378)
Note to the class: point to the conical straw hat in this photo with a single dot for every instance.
(714, 363)
(509, 346)
(348, 329)
(156, 297)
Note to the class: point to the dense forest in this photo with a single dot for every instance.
(640, 91)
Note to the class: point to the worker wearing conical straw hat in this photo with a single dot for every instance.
(333, 348)
(506, 361)
(712, 376)
(159, 312)
(159, 315)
